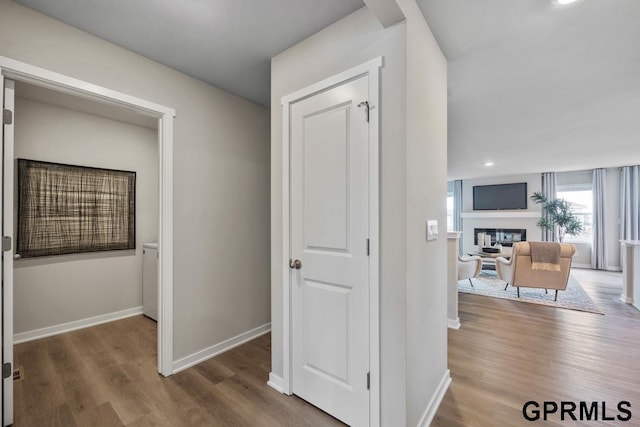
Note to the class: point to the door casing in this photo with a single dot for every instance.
(20, 71)
(372, 69)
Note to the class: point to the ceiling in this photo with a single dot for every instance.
(536, 87)
(227, 43)
(533, 86)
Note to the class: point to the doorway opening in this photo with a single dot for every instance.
(120, 105)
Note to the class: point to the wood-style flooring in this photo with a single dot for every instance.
(505, 354)
(106, 376)
(508, 353)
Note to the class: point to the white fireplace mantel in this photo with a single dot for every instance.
(500, 214)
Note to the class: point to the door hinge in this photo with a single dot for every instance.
(368, 380)
(7, 116)
(367, 247)
(365, 104)
(6, 243)
(6, 370)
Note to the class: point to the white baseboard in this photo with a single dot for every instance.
(276, 382)
(625, 299)
(434, 404)
(576, 265)
(214, 350)
(75, 325)
(454, 323)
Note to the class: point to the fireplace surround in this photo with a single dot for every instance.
(503, 236)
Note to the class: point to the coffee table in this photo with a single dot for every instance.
(489, 258)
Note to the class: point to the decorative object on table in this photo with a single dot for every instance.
(557, 217)
(487, 240)
(480, 240)
(489, 285)
(65, 209)
(491, 250)
(518, 271)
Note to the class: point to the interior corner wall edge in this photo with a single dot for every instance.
(50, 291)
(347, 43)
(219, 139)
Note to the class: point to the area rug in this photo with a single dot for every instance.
(573, 298)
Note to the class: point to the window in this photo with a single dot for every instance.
(581, 198)
(450, 211)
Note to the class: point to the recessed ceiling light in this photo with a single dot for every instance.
(563, 2)
(488, 164)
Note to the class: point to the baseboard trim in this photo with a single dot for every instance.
(434, 404)
(75, 325)
(214, 350)
(625, 299)
(454, 323)
(276, 382)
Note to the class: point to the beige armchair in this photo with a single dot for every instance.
(517, 271)
(469, 267)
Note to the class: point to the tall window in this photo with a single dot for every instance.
(450, 210)
(581, 198)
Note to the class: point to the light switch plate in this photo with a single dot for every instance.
(432, 229)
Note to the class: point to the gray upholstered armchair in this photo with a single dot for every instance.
(469, 267)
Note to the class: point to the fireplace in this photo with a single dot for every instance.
(504, 236)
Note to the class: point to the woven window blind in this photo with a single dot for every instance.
(65, 209)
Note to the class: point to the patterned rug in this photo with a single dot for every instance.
(573, 298)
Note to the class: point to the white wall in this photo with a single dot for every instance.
(347, 43)
(426, 191)
(220, 166)
(54, 290)
(534, 184)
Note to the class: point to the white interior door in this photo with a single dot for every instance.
(329, 226)
(6, 180)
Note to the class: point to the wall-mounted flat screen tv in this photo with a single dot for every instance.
(501, 196)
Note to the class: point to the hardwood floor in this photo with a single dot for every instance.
(106, 376)
(508, 353)
(505, 354)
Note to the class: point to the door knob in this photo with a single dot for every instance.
(295, 263)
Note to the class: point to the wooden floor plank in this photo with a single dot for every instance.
(505, 354)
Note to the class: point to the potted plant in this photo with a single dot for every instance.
(557, 217)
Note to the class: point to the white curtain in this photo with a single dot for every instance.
(549, 191)
(630, 203)
(599, 252)
(457, 208)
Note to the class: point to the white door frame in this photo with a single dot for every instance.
(23, 72)
(370, 68)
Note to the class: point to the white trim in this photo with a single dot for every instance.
(59, 82)
(335, 80)
(372, 69)
(62, 328)
(7, 181)
(430, 412)
(500, 214)
(636, 305)
(276, 382)
(625, 299)
(39, 76)
(165, 245)
(577, 265)
(454, 323)
(216, 349)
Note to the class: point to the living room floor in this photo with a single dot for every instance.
(508, 353)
